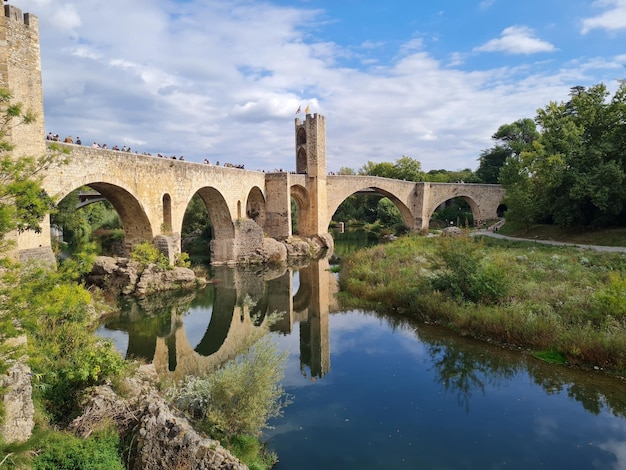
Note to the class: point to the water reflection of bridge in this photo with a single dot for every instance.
(241, 301)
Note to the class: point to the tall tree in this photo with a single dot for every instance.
(511, 140)
(575, 172)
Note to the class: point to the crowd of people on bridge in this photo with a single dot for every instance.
(96, 145)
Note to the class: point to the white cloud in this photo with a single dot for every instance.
(66, 18)
(222, 80)
(516, 40)
(613, 19)
(485, 4)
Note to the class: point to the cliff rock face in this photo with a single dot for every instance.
(130, 278)
(162, 438)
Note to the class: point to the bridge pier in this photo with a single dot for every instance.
(33, 247)
(277, 206)
(169, 245)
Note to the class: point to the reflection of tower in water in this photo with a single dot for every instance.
(314, 296)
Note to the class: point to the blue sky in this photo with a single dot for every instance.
(223, 79)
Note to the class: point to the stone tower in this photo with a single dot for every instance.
(311, 160)
(20, 73)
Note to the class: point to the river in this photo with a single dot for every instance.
(378, 392)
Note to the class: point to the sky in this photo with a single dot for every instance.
(223, 79)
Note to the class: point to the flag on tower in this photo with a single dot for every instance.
(298, 111)
(306, 111)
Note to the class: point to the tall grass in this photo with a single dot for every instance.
(545, 298)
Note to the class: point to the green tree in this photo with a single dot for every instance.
(446, 176)
(575, 171)
(387, 212)
(512, 139)
(405, 168)
(491, 162)
(196, 217)
(23, 202)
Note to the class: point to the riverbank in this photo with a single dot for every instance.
(563, 304)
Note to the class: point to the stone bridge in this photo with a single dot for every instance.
(151, 194)
(417, 201)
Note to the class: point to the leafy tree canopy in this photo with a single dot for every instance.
(574, 172)
(446, 176)
(405, 168)
(511, 139)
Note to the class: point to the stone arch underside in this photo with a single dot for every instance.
(407, 216)
(223, 243)
(255, 206)
(135, 222)
(471, 202)
(301, 195)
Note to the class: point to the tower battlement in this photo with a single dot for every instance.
(15, 14)
(311, 145)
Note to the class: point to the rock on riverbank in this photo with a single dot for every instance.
(128, 277)
(160, 436)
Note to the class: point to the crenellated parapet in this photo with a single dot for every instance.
(20, 73)
(15, 14)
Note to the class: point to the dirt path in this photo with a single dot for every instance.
(617, 249)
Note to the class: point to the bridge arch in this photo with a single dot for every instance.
(483, 200)
(473, 205)
(405, 212)
(255, 206)
(135, 222)
(302, 198)
(222, 244)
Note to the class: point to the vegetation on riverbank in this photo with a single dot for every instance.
(559, 302)
(235, 403)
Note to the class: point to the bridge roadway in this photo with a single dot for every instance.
(151, 195)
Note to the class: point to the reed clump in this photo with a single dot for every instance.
(559, 300)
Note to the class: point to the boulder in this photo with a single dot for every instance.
(162, 437)
(452, 232)
(125, 276)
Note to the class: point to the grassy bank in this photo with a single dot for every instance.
(564, 304)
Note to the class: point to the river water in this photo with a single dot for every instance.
(377, 392)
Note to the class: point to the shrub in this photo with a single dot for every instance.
(252, 452)
(460, 273)
(60, 451)
(240, 398)
(182, 260)
(57, 316)
(146, 253)
(611, 298)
